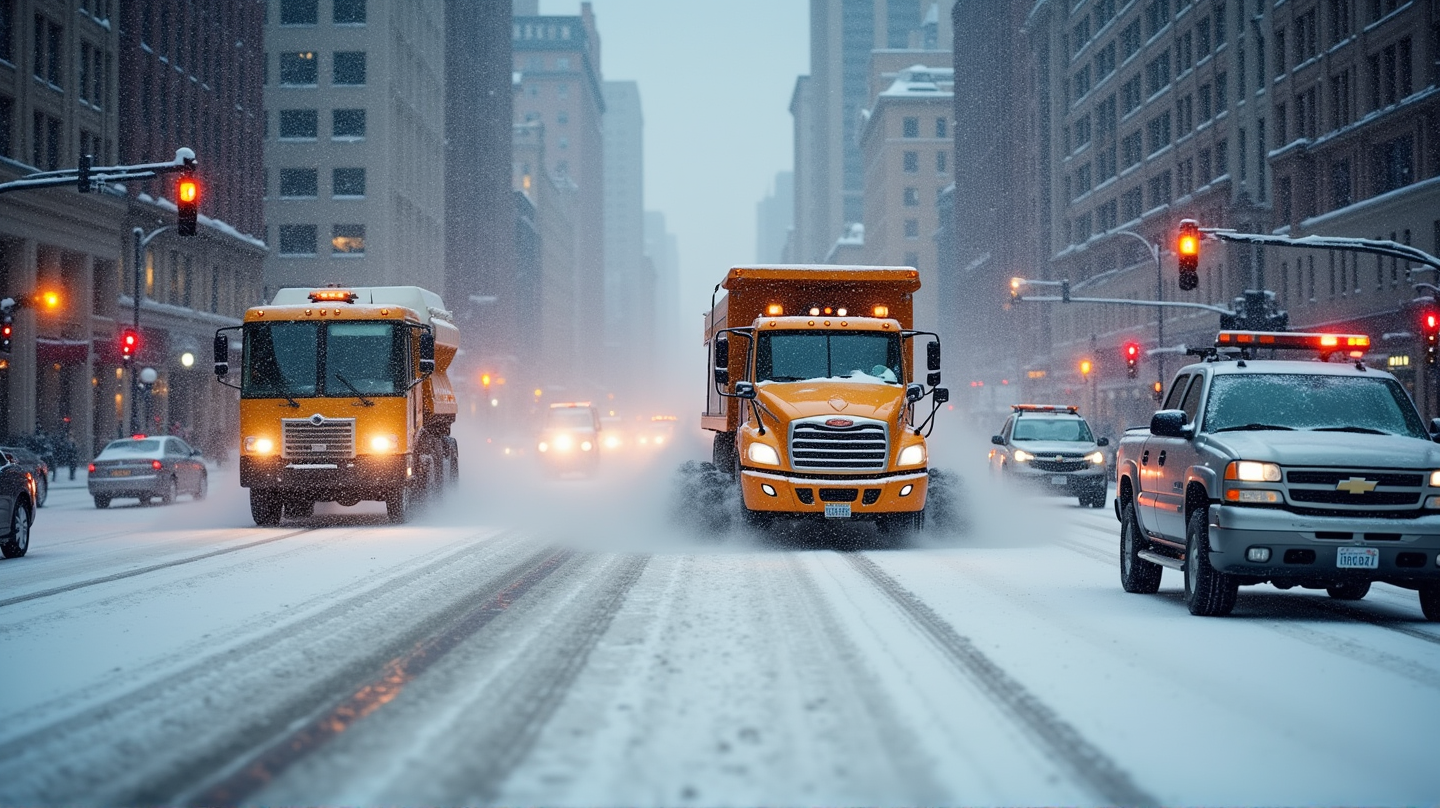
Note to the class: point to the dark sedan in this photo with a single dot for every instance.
(17, 498)
(38, 468)
(145, 468)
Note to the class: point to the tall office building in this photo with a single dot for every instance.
(355, 158)
(557, 59)
(629, 291)
(775, 220)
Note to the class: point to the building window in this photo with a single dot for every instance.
(941, 128)
(1206, 168)
(299, 124)
(347, 124)
(49, 38)
(299, 183)
(1340, 107)
(562, 118)
(347, 239)
(941, 161)
(1157, 16)
(1160, 190)
(1282, 198)
(1394, 164)
(1157, 74)
(299, 12)
(912, 162)
(912, 197)
(1081, 84)
(349, 68)
(1082, 131)
(912, 228)
(1339, 21)
(299, 69)
(297, 239)
(562, 90)
(910, 127)
(1130, 39)
(1132, 204)
(1130, 94)
(1222, 92)
(1107, 217)
(1306, 114)
(347, 182)
(1159, 131)
(7, 30)
(46, 142)
(1130, 150)
(349, 12)
(1222, 158)
(1105, 61)
(1185, 114)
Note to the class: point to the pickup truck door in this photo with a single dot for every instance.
(1151, 503)
(1173, 458)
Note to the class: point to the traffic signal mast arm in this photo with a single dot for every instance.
(87, 177)
(1068, 298)
(1391, 249)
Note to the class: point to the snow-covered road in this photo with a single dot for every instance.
(603, 655)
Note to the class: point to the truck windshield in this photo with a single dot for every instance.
(579, 418)
(358, 358)
(1316, 402)
(863, 356)
(1063, 429)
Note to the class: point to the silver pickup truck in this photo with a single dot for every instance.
(1297, 473)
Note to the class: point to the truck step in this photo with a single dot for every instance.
(1162, 560)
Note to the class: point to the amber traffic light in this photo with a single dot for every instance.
(1085, 367)
(187, 204)
(1187, 247)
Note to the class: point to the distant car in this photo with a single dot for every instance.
(17, 498)
(36, 465)
(145, 468)
(1051, 447)
(571, 438)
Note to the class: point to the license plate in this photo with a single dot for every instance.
(1357, 558)
(837, 510)
(120, 473)
(1058, 479)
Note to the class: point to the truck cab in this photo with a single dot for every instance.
(1298, 473)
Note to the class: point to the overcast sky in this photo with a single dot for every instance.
(715, 82)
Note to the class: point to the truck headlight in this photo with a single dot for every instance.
(1098, 458)
(763, 453)
(586, 446)
(256, 445)
(1022, 456)
(1249, 471)
(563, 443)
(912, 455)
(1435, 479)
(385, 443)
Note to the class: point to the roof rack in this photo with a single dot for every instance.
(1067, 408)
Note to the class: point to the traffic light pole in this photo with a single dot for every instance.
(142, 240)
(87, 178)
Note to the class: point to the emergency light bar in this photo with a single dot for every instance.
(569, 404)
(333, 296)
(1070, 408)
(1323, 343)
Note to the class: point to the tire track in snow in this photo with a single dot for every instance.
(120, 576)
(1062, 742)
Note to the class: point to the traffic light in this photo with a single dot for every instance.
(1132, 359)
(1187, 247)
(187, 203)
(1157, 390)
(129, 344)
(1085, 367)
(7, 330)
(1430, 328)
(50, 300)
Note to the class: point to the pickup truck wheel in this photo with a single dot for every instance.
(1208, 592)
(1350, 590)
(1430, 602)
(265, 507)
(1137, 576)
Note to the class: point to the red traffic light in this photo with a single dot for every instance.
(1132, 358)
(1132, 350)
(129, 343)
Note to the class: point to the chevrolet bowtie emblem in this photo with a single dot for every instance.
(1356, 485)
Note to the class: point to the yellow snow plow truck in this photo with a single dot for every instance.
(343, 398)
(813, 402)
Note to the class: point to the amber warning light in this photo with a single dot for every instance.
(1355, 344)
(333, 296)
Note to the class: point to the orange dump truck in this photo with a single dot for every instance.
(344, 397)
(813, 399)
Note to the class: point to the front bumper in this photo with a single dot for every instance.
(133, 486)
(872, 496)
(365, 476)
(1409, 549)
(1071, 482)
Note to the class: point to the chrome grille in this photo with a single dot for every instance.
(317, 437)
(863, 446)
(1393, 490)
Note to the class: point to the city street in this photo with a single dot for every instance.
(573, 642)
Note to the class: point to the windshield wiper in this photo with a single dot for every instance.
(1364, 430)
(1255, 428)
(291, 402)
(786, 379)
(363, 400)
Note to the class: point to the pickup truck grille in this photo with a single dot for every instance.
(1058, 465)
(322, 437)
(863, 446)
(1388, 490)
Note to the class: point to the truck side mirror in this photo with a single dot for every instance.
(722, 360)
(942, 394)
(932, 355)
(997, 440)
(222, 355)
(744, 390)
(1103, 442)
(1169, 424)
(933, 378)
(914, 392)
(427, 352)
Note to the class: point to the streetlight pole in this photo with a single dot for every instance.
(1154, 250)
(142, 240)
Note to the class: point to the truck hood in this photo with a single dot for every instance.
(839, 399)
(1330, 449)
(1050, 448)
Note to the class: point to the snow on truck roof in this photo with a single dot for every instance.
(422, 301)
(738, 275)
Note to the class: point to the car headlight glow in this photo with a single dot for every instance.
(544, 447)
(1096, 457)
(563, 443)
(1435, 479)
(612, 442)
(385, 443)
(1022, 456)
(586, 446)
(1250, 471)
(763, 453)
(913, 455)
(257, 445)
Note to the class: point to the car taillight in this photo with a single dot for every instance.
(156, 464)
(92, 468)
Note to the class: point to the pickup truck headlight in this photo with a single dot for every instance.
(1249, 471)
(912, 455)
(1098, 458)
(1022, 456)
(763, 453)
(1435, 479)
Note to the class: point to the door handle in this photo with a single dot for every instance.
(1162, 458)
(1145, 458)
